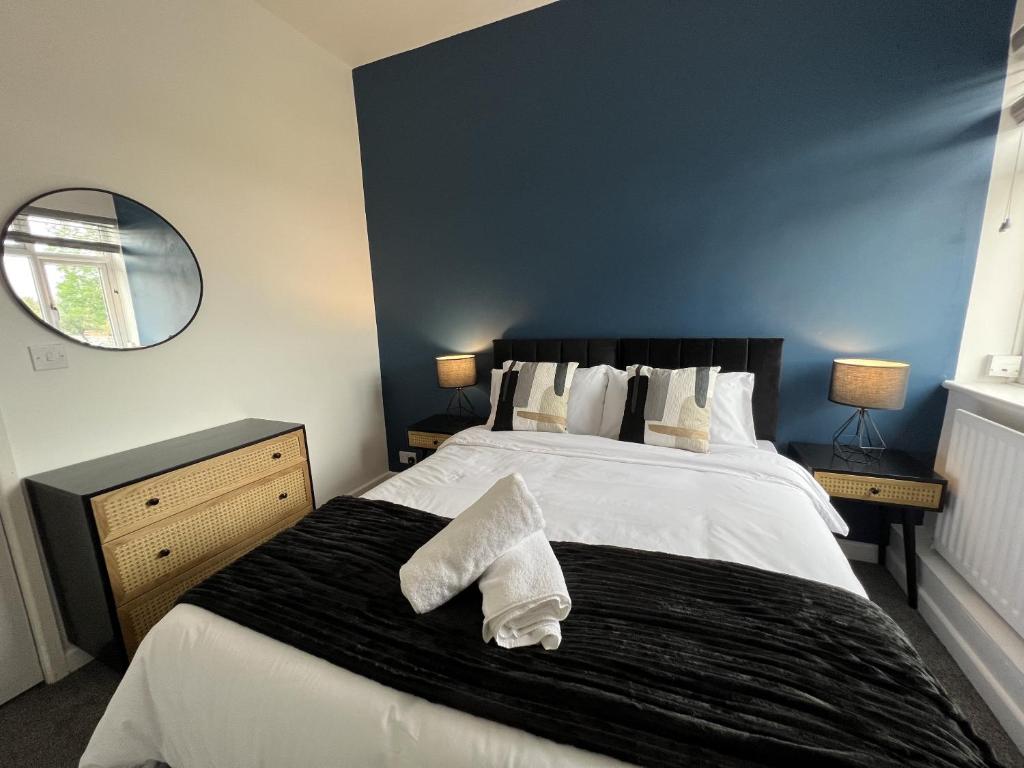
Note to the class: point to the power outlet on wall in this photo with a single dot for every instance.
(1007, 366)
(406, 457)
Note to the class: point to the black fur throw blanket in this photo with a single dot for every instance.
(665, 660)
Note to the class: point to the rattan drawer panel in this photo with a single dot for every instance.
(906, 493)
(428, 440)
(127, 509)
(138, 616)
(140, 560)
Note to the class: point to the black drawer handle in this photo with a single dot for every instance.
(163, 552)
(874, 491)
(152, 502)
(283, 496)
(275, 455)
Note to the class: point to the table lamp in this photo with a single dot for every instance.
(865, 384)
(457, 372)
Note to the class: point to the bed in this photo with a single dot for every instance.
(205, 691)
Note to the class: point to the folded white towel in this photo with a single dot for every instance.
(525, 596)
(460, 552)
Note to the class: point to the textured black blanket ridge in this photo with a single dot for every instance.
(665, 660)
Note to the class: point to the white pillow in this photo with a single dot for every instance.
(495, 386)
(586, 398)
(732, 412)
(615, 403)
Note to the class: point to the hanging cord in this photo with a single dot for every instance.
(1016, 348)
(1013, 180)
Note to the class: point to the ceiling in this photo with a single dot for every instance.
(361, 31)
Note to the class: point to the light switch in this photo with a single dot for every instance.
(46, 357)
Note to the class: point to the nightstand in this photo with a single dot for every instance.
(897, 486)
(431, 432)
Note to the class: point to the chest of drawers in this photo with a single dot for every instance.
(126, 535)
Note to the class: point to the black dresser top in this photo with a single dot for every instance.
(100, 475)
(890, 463)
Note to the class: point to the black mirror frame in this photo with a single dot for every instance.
(17, 300)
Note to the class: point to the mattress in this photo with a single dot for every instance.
(746, 505)
(204, 691)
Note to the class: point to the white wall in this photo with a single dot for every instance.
(242, 133)
(80, 202)
(19, 664)
(984, 645)
(998, 286)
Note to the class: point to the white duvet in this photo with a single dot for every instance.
(204, 691)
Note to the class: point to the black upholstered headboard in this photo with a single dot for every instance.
(761, 357)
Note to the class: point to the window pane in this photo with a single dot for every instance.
(19, 275)
(77, 291)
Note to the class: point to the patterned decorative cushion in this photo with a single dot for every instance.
(534, 397)
(671, 408)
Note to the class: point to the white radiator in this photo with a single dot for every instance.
(981, 533)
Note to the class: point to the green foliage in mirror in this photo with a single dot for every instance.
(83, 310)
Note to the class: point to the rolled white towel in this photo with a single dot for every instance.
(525, 596)
(460, 552)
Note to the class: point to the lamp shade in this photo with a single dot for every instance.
(865, 383)
(454, 371)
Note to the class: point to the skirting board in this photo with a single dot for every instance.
(859, 550)
(984, 646)
(76, 657)
(372, 484)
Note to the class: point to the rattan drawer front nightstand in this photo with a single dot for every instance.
(428, 440)
(118, 563)
(127, 509)
(143, 559)
(431, 433)
(906, 493)
(138, 616)
(889, 487)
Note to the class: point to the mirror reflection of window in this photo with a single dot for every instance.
(79, 299)
(101, 269)
(76, 279)
(22, 282)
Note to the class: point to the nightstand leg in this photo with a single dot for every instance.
(910, 557)
(883, 535)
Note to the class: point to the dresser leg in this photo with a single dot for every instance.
(910, 557)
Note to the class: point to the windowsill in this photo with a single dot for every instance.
(1007, 394)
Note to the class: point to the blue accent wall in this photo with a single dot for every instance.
(162, 274)
(811, 169)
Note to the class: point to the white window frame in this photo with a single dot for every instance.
(113, 278)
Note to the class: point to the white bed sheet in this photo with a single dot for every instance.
(204, 691)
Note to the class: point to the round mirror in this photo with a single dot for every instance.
(101, 269)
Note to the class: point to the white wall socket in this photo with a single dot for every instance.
(406, 457)
(1007, 366)
(46, 357)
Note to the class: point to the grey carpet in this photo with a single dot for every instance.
(884, 590)
(49, 726)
